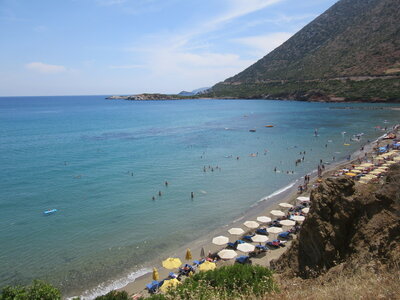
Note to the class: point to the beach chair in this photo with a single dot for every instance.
(262, 231)
(248, 237)
(154, 286)
(285, 235)
(235, 244)
(261, 248)
(244, 259)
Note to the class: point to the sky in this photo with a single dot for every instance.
(104, 47)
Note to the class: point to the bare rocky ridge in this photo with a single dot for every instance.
(348, 226)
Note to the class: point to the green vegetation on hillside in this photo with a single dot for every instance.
(352, 39)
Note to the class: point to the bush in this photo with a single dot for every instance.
(39, 290)
(237, 281)
(114, 295)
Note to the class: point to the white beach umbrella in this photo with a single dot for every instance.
(390, 162)
(227, 254)
(303, 199)
(359, 168)
(367, 165)
(397, 158)
(220, 240)
(258, 238)
(236, 231)
(305, 210)
(375, 172)
(274, 229)
(356, 171)
(277, 213)
(285, 205)
(299, 218)
(246, 247)
(264, 219)
(287, 223)
(251, 224)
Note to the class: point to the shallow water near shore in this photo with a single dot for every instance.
(100, 163)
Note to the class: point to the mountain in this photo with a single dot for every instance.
(350, 52)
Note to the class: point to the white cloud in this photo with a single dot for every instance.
(45, 68)
(263, 44)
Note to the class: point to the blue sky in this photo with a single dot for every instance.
(78, 47)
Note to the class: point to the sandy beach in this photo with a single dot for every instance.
(262, 208)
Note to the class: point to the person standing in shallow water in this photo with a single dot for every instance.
(191, 195)
(166, 183)
(159, 193)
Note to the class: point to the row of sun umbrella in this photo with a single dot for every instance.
(174, 263)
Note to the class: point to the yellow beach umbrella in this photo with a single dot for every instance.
(350, 174)
(207, 266)
(188, 254)
(171, 263)
(169, 284)
(155, 274)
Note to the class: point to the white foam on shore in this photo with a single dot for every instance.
(104, 288)
(280, 191)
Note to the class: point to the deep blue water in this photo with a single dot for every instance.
(100, 163)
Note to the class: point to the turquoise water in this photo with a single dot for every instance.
(100, 163)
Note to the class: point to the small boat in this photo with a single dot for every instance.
(269, 126)
(252, 130)
(50, 211)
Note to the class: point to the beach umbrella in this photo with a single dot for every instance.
(171, 263)
(367, 165)
(207, 266)
(236, 231)
(287, 223)
(227, 254)
(171, 283)
(202, 252)
(251, 224)
(285, 205)
(375, 172)
(350, 174)
(299, 218)
(359, 168)
(356, 171)
(305, 210)
(390, 162)
(258, 238)
(155, 274)
(220, 240)
(303, 198)
(188, 254)
(274, 229)
(264, 219)
(397, 158)
(277, 213)
(246, 247)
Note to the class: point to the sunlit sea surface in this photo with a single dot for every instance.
(100, 162)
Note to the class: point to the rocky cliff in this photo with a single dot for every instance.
(348, 226)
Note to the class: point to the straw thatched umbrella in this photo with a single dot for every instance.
(227, 254)
(220, 240)
(155, 276)
(264, 219)
(274, 229)
(188, 254)
(251, 224)
(287, 223)
(277, 213)
(246, 247)
(259, 238)
(236, 231)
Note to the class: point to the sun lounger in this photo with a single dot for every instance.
(234, 245)
(262, 231)
(154, 286)
(243, 260)
(285, 235)
(248, 237)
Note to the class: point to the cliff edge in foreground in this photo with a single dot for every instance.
(347, 227)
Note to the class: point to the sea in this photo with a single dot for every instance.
(100, 163)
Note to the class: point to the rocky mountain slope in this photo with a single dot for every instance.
(350, 52)
(348, 227)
